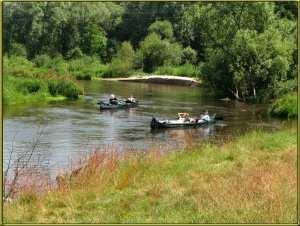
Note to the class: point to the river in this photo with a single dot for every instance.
(70, 129)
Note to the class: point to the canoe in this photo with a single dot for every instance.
(106, 105)
(161, 124)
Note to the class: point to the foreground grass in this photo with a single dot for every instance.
(250, 180)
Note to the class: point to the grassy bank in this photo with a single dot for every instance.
(25, 82)
(285, 106)
(249, 180)
(187, 70)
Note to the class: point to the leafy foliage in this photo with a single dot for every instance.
(27, 81)
(285, 106)
(123, 63)
(189, 55)
(247, 50)
(65, 88)
(162, 28)
(18, 49)
(156, 52)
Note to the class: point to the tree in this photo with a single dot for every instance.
(257, 62)
(156, 52)
(123, 63)
(74, 53)
(173, 54)
(189, 55)
(138, 16)
(162, 28)
(94, 40)
(153, 51)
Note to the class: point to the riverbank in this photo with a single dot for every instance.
(26, 83)
(251, 179)
(160, 79)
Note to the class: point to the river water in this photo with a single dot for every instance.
(67, 130)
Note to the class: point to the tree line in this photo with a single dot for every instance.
(239, 49)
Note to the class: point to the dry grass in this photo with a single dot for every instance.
(250, 180)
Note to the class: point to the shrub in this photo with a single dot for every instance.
(117, 68)
(30, 86)
(18, 49)
(71, 90)
(285, 107)
(42, 60)
(86, 67)
(173, 54)
(59, 65)
(284, 87)
(123, 63)
(17, 66)
(74, 53)
(65, 88)
(189, 55)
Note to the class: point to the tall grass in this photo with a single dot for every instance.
(188, 70)
(82, 69)
(249, 180)
(63, 87)
(25, 82)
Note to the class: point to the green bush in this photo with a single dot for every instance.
(42, 60)
(86, 67)
(59, 65)
(18, 49)
(123, 63)
(174, 53)
(117, 68)
(17, 66)
(29, 86)
(285, 107)
(74, 53)
(284, 87)
(189, 55)
(65, 88)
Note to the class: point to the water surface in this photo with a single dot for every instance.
(74, 128)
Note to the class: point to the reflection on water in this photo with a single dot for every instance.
(72, 128)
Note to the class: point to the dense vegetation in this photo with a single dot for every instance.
(24, 82)
(285, 106)
(252, 179)
(241, 50)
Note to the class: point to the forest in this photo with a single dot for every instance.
(245, 51)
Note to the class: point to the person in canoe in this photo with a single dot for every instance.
(113, 99)
(130, 99)
(205, 116)
(183, 117)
